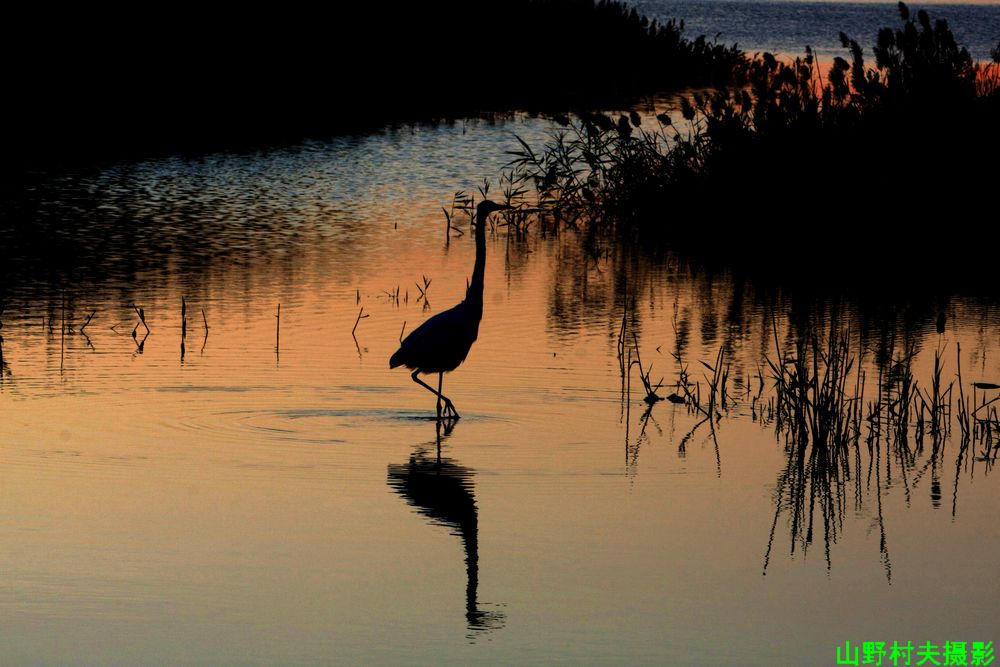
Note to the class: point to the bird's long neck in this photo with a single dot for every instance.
(474, 295)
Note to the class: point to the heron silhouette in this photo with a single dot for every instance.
(441, 343)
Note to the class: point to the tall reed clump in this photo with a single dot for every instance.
(745, 168)
(817, 396)
(818, 388)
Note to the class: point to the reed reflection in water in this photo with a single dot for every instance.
(264, 484)
(441, 489)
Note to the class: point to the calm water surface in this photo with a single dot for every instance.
(279, 496)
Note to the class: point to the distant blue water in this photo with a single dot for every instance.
(788, 26)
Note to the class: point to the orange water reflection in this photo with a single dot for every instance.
(233, 507)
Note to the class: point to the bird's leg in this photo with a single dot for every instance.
(449, 408)
(440, 383)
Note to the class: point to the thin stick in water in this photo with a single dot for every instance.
(90, 317)
(361, 315)
(142, 316)
(205, 341)
(62, 335)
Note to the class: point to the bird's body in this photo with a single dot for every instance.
(442, 343)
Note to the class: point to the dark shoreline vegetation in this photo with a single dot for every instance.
(792, 177)
(793, 172)
(104, 86)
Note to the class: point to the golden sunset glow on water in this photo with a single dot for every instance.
(727, 359)
(239, 498)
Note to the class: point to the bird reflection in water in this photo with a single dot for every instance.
(441, 490)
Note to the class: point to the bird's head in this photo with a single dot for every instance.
(486, 207)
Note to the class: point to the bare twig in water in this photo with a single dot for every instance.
(651, 395)
(142, 316)
(62, 335)
(89, 317)
(393, 295)
(184, 326)
(361, 316)
(621, 343)
(423, 292)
